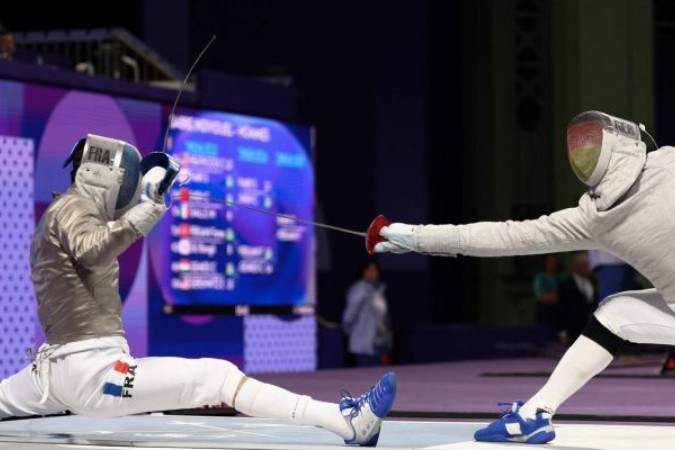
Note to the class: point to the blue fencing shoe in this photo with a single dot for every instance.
(365, 414)
(512, 427)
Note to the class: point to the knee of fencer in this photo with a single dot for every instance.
(232, 378)
(613, 310)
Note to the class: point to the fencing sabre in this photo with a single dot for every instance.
(372, 235)
(161, 158)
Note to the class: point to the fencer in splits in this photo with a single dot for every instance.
(85, 366)
(628, 211)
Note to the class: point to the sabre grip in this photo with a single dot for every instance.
(373, 234)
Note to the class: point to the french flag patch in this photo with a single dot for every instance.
(126, 374)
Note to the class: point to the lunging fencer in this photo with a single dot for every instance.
(628, 211)
(85, 365)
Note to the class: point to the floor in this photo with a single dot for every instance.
(189, 432)
(629, 388)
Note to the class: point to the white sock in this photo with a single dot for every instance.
(582, 361)
(265, 400)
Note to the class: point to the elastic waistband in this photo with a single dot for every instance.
(49, 351)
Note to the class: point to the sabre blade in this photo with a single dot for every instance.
(286, 216)
(180, 91)
(270, 213)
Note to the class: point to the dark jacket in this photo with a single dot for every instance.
(575, 310)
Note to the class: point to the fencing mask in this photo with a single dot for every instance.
(606, 153)
(109, 172)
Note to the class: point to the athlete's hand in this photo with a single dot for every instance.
(170, 166)
(150, 185)
(400, 238)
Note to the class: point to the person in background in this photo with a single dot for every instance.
(366, 318)
(7, 44)
(545, 287)
(577, 296)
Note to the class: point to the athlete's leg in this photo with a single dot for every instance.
(21, 393)
(127, 386)
(158, 384)
(641, 317)
(633, 316)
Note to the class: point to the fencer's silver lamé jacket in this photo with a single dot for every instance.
(73, 258)
(638, 225)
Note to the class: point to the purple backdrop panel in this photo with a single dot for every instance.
(17, 304)
(279, 343)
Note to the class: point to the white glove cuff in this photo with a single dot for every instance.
(438, 239)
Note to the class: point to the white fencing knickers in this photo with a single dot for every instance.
(98, 377)
(641, 317)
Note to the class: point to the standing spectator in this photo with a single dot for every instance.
(578, 298)
(545, 287)
(613, 274)
(7, 44)
(366, 318)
